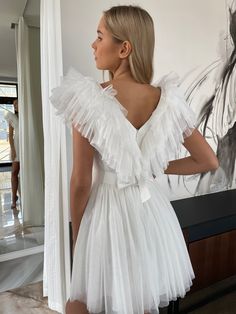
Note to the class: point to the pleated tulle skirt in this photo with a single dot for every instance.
(130, 257)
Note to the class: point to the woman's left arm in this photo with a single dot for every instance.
(201, 159)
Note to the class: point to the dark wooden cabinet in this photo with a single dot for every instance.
(209, 227)
(213, 259)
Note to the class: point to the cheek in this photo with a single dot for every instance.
(109, 55)
(105, 47)
(106, 55)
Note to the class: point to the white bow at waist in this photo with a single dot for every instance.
(111, 178)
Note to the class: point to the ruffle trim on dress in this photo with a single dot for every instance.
(94, 112)
(172, 121)
(11, 118)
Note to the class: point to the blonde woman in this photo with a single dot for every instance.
(129, 254)
(13, 121)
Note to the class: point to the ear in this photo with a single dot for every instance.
(125, 49)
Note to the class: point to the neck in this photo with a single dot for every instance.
(122, 72)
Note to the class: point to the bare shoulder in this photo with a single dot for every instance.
(147, 93)
(151, 90)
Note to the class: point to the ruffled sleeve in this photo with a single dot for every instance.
(96, 114)
(172, 121)
(11, 118)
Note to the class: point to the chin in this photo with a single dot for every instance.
(101, 67)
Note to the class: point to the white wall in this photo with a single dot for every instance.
(34, 46)
(186, 35)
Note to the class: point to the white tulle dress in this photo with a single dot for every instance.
(13, 120)
(130, 255)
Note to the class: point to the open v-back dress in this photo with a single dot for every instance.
(130, 255)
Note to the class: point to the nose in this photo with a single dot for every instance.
(93, 45)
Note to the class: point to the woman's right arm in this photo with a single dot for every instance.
(81, 180)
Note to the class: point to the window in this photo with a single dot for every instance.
(8, 90)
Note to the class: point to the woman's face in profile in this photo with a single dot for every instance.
(106, 50)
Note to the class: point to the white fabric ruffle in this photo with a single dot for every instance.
(97, 114)
(83, 103)
(172, 121)
(12, 119)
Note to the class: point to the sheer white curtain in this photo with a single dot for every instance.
(56, 248)
(30, 127)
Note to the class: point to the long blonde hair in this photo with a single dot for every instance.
(135, 25)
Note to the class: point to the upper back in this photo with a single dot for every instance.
(94, 112)
(140, 100)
